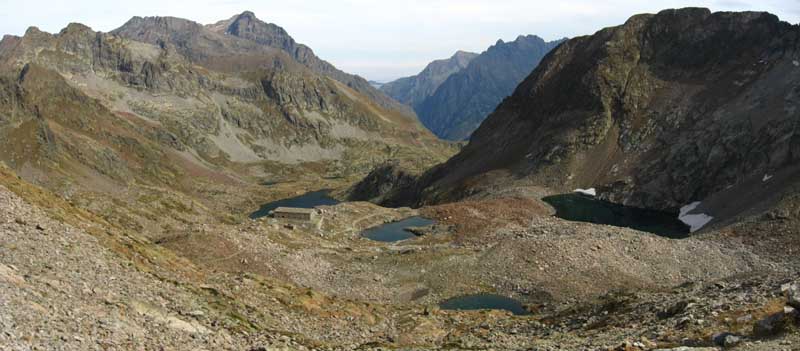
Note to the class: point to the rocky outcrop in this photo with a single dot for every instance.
(662, 111)
(388, 185)
(462, 102)
(414, 90)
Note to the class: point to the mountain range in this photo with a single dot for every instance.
(453, 96)
(163, 101)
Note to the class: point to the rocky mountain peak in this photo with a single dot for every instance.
(77, 31)
(32, 30)
(694, 13)
(32, 35)
(529, 37)
(522, 41)
(157, 24)
(246, 18)
(247, 26)
(76, 28)
(462, 58)
(248, 15)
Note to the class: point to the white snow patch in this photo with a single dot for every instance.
(796, 63)
(589, 192)
(689, 208)
(694, 221)
(766, 178)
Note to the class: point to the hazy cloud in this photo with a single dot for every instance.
(379, 39)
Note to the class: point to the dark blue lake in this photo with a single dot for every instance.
(484, 302)
(580, 208)
(307, 200)
(396, 231)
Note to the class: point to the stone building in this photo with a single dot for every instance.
(299, 214)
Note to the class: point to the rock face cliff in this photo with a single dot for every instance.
(667, 109)
(458, 106)
(414, 90)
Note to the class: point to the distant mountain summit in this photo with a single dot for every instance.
(464, 100)
(247, 26)
(453, 96)
(414, 90)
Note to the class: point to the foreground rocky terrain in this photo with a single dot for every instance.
(69, 278)
(125, 219)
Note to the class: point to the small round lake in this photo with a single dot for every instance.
(484, 302)
(396, 231)
(581, 208)
(307, 200)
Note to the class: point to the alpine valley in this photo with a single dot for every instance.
(170, 185)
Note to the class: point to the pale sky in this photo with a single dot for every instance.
(379, 39)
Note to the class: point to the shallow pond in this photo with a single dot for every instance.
(307, 200)
(576, 207)
(396, 231)
(484, 302)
